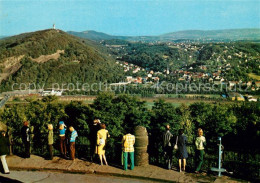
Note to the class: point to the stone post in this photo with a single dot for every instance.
(141, 143)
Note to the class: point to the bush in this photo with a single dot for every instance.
(238, 124)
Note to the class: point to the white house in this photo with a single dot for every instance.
(51, 93)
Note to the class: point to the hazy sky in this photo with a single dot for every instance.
(127, 17)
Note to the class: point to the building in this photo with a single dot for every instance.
(129, 79)
(236, 96)
(51, 93)
(119, 84)
(232, 83)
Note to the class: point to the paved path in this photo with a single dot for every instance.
(148, 173)
(51, 177)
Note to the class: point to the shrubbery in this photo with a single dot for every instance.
(238, 124)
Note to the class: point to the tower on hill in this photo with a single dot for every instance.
(53, 26)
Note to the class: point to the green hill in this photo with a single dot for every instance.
(53, 56)
(181, 36)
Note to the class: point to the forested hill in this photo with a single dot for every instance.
(181, 36)
(236, 60)
(53, 56)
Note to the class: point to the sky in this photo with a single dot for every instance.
(127, 17)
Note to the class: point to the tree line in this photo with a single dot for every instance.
(238, 123)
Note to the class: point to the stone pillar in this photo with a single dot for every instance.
(141, 143)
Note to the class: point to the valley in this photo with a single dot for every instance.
(146, 68)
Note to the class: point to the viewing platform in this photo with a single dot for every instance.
(148, 172)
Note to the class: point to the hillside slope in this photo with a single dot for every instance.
(235, 60)
(53, 56)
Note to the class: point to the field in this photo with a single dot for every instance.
(177, 101)
(254, 76)
(173, 99)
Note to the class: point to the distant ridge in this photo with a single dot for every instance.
(232, 34)
(199, 35)
(93, 35)
(97, 36)
(2, 37)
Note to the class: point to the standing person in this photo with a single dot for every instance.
(102, 136)
(168, 146)
(128, 142)
(200, 142)
(4, 151)
(93, 137)
(182, 149)
(73, 137)
(26, 138)
(50, 140)
(62, 130)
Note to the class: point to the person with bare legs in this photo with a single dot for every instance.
(184, 164)
(102, 136)
(182, 149)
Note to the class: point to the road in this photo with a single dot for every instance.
(57, 177)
